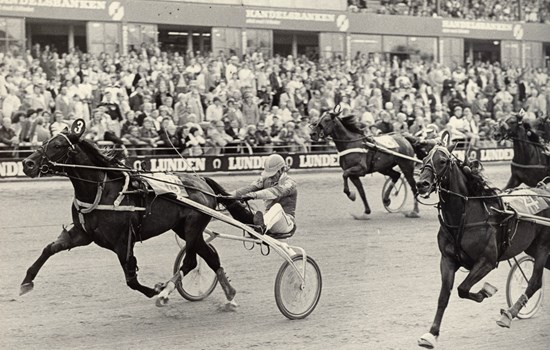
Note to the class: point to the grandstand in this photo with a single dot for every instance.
(242, 76)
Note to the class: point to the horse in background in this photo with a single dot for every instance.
(101, 214)
(356, 160)
(475, 236)
(530, 163)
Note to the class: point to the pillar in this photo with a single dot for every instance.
(70, 38)
(190, 42)
(294, 45)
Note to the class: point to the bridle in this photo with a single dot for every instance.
(46, 163)
(321, 130)
(428, 163)
(508, 136)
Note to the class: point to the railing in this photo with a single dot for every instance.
(27, 148)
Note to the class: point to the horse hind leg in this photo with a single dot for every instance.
(394, 176)
(213, 260)
(75, 237)
(408, 172)
(534, 284)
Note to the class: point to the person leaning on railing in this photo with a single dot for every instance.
(7, 135)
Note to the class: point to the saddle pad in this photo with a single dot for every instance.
(528, 202)
(166, 183)
(386, 141)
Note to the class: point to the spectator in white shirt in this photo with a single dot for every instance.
(215, 110)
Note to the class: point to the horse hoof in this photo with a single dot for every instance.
(363, 216)
(161, 301)
(352, 196)
(428, 341)
(412, 215)
(231, 306)
(159, 287)
(505, 320)
(26, 287)
(489, 290)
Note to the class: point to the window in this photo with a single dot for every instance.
(12, 35)
(141, 34)
(228, 40)
(259, 40)
(365, 44)
(103, 37)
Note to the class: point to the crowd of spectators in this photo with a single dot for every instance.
(497, 10)
(215, 103)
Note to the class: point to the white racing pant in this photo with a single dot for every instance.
(277, 221)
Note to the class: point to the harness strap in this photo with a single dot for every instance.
(532, 166)
(86, 208)
(352, 150)
(98, 194)
(120, 197)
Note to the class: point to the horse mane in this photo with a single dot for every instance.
(352, 124)
(102, 157)
(477, 183)
(531, 134)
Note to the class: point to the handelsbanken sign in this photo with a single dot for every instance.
(97, 10)
(241, 163)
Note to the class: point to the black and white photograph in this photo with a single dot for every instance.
(279, 175)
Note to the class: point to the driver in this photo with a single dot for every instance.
(278, 191)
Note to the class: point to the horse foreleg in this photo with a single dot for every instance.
(66, 240)
(129, 264)
(535, 283)
(165, 289)
(448, 269)
(350, 195)
(357, 183)
(478, 271)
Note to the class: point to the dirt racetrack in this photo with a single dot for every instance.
(380, 283)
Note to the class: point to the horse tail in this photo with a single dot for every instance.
(238, 210)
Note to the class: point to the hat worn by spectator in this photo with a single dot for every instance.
(30, 112)
(220, 123)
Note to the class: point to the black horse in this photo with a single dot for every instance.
(101, 214)
(475, 236)
(530, 163)
(357, 160)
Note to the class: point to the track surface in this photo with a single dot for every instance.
(380, 283)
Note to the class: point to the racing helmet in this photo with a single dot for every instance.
(272, 165)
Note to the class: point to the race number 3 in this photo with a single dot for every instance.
(78, 127)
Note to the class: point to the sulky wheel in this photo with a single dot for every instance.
(295, 300)
(198, 283)
(517, 283)
(398, 194)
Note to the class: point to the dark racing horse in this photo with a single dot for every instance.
(357, 160)
(101, 214)
(475, 236)
(530, 163)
